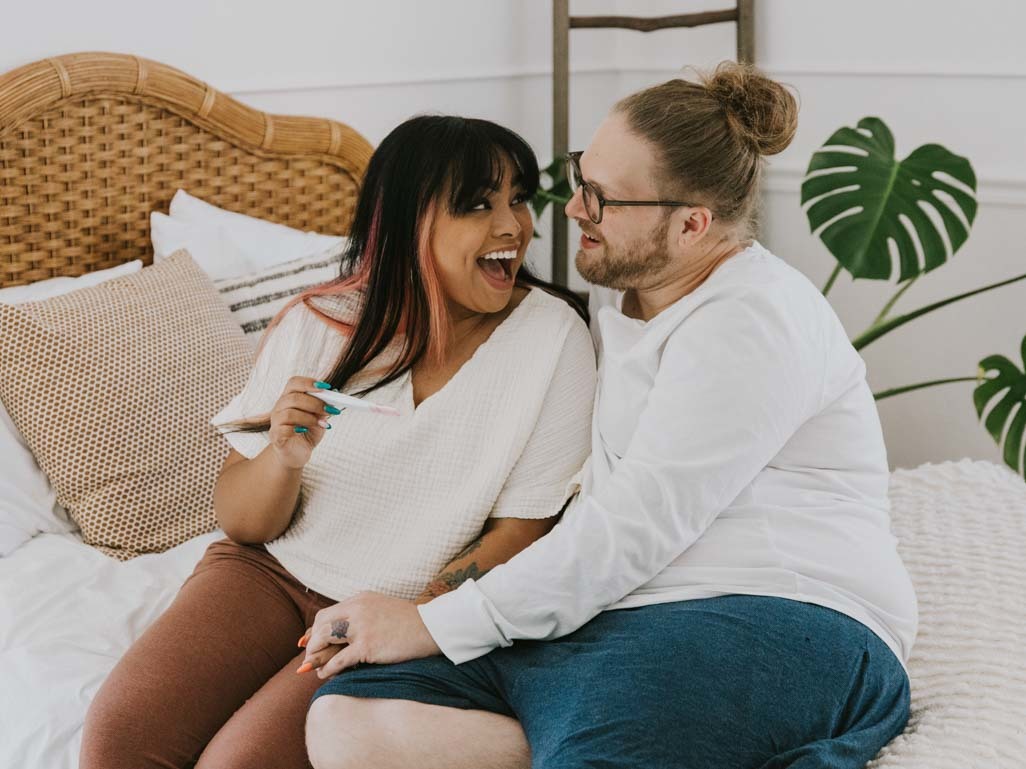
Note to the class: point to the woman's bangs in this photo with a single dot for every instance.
(478, 169)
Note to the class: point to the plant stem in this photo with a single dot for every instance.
(830, 282)
(894, 299)
(877, 330)
(909, 388)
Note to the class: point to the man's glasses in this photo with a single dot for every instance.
(594, 203)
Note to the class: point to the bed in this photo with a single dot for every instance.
(67, 611)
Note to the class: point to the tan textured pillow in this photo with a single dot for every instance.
(113, 387)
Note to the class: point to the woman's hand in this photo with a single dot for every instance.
(298, 422)
(369, 627)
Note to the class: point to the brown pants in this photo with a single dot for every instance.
(213, 682)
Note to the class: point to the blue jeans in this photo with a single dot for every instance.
(735, 682)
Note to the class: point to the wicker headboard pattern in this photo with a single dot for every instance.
(91, 143)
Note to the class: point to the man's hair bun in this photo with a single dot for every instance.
(761, 112)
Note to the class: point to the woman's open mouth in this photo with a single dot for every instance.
(497, 268)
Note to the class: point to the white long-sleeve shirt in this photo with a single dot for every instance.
(736, 449)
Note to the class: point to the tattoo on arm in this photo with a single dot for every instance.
(469, 549)
(456, 578)
(451, 580)
(448, 581)
(339, 628)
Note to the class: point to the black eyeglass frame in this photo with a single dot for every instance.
(575, 178)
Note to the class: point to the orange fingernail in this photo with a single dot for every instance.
(306, 667)
(303, 641)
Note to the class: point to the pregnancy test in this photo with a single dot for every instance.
(343, 401)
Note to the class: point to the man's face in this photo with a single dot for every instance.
(631, 245)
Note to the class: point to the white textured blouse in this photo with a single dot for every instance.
(387, 502)
(736, 450)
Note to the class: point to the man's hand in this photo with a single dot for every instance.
(369, 627)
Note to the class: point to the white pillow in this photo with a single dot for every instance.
(263, 243)
(44, 289)
(210, 246)
(28, 504)
(256, 298)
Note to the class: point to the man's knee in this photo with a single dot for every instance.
(347, 732)
(340, 732)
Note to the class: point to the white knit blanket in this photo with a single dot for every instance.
(962, 533)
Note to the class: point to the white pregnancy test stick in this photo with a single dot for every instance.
(343, 401)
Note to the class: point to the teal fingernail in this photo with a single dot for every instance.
(329, 426)
(332, 409)
(299, 429)
(322, 385)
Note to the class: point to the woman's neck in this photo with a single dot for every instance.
(467, 324)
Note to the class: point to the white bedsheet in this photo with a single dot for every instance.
(67, 613)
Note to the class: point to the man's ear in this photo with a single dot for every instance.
(693, 225)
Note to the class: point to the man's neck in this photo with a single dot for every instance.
(644, 303)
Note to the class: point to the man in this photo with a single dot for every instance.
(725, 591)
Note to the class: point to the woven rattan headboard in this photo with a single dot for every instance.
(91, 143)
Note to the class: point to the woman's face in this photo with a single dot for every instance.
(478, 253)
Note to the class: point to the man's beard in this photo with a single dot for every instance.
(629, 265)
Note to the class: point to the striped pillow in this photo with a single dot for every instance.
(256, 298)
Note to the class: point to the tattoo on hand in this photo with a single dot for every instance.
(339, 628)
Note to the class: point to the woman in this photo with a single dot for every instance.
(491, 372)
(725, 593)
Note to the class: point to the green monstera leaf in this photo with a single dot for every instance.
(1003, 376)
(558, 193)
(860, 194)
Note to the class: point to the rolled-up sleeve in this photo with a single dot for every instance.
(279, 359)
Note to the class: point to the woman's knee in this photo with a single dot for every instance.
(119, 733)
(101, 740)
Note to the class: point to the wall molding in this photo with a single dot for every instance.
(1006, 192)
(948, 74)
(438, 77)
(320, 83)
(828, 70)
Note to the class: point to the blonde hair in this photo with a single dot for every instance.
(713, 134)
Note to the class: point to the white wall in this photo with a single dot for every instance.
(954, 75)
(935, 72)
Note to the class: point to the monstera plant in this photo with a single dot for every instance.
(882, 218)
(557, 193)
(888, 219)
